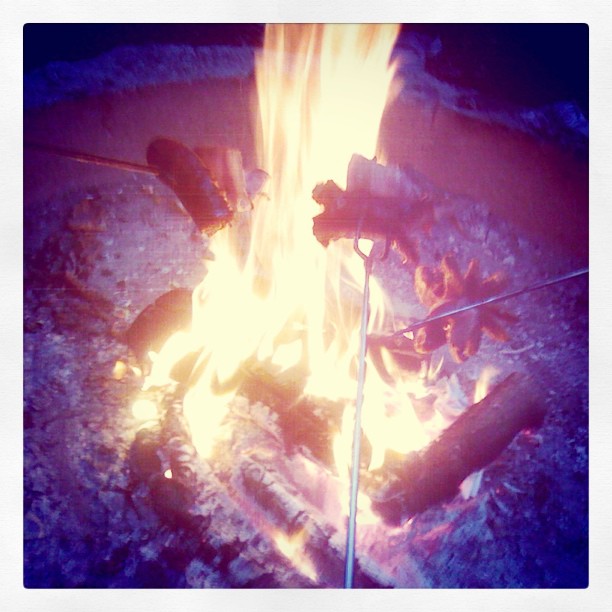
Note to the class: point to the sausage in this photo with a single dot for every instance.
(182, 170)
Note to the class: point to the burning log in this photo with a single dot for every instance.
(245, 511)
(307, 423)
(222, 545)
(411, 484)
(379, 203)
(157, 322)
(318, 548)
(293, 500)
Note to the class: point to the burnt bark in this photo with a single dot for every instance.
(224, 545)
(412, 484)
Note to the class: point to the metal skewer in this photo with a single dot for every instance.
(92, 159)
(491, 300)
(368, 262)
(175, 165)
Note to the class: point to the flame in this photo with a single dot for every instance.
(487, 375)
(471, 485)
(292, 547)
(144, 409)
(273, 294)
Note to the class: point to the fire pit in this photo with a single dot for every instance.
(222, 457)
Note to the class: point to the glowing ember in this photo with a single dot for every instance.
(119, 369)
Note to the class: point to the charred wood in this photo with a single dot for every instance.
(265, 383)
(311, 424)
(293, 500)
(410, 484)
(400, 349)
(320, 544)
(226, 547)
(307, 423)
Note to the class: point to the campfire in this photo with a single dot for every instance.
(323, 385)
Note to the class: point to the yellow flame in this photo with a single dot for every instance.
(292, 547)
(484, 381)
(119, 369)
(144, 409)
(273, 293)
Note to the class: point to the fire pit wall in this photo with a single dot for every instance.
(103, 244)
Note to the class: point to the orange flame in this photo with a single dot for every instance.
(292, 547)
(484, 381)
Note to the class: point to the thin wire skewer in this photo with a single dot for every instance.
(491, 300)
(351, 531)
(368, 262)
(89, 158)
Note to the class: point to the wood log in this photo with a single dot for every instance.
(322, 545)
(410, 484)
(169, 313)
(223, 545)
(307, 424)
(235, 510)
(292, 500)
